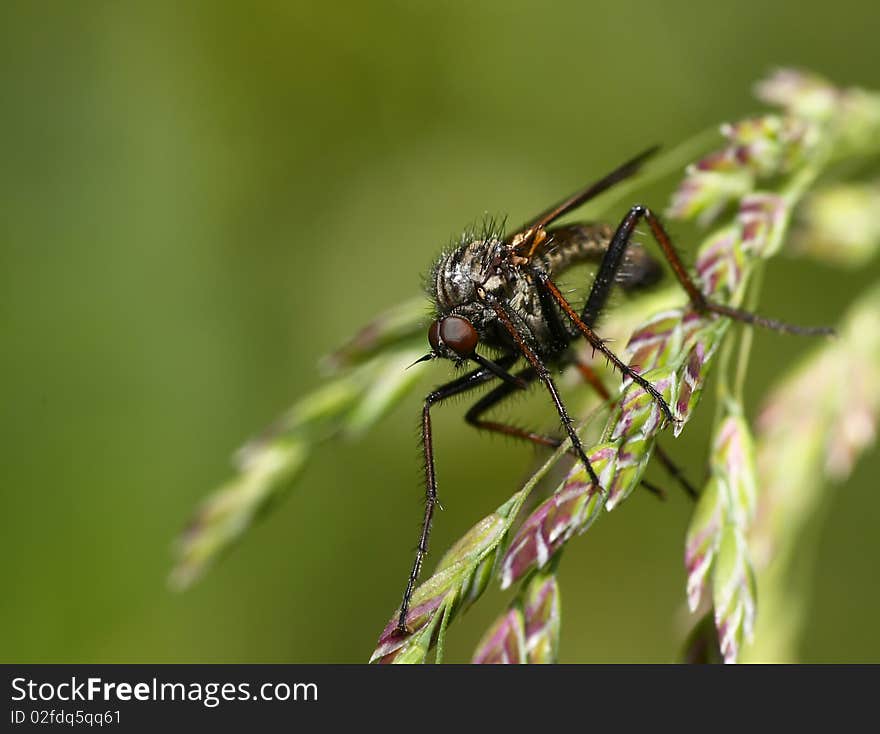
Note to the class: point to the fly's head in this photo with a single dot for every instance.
(461, 283)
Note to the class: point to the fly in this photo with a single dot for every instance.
(498, 292)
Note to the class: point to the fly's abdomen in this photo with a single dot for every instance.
(575, 244)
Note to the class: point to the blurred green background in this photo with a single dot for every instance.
(200, 199)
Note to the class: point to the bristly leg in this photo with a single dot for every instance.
(528, 375)
(493, 398)
(521, 338)
(461, 385)
(605, 278)
(613, 259)
(753, 319)
(598, 344)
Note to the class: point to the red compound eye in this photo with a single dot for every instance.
(459, 335)
(434, 336)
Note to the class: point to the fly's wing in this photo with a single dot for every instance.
(579, 198)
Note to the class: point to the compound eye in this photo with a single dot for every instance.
(459, 335)
(434, 336)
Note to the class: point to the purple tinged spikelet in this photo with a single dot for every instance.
(733, 593)
(505, 641)
(572, 508)
(733, 463)
(762, 217)
(528, 631)
(701, 543)
(541, 609)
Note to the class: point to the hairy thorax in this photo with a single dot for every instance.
(491, 266)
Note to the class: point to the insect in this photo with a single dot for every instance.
(497, 292)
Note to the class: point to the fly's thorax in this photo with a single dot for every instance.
(459, 273)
